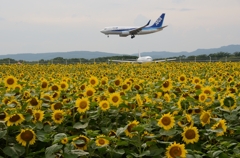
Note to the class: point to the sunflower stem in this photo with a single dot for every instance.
(27, 149)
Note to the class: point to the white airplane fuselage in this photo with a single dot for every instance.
(123, 31)
(144, 59)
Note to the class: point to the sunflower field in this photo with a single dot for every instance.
(156, 110)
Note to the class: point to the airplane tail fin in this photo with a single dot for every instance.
(159, 21)
(139, 55)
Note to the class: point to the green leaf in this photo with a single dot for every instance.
(58, 137)
(41, 136)
(52, 149)
(119, 151)
(14, 151)
(121, 130)
(79, 152)
(79, 125)
(3, 133)
(122, 143)
(155, 151)
(39, 125)
(216, 153)
(223, 155)
(170, 132)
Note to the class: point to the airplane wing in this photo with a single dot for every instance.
(156, 61)
(135, 31)
(123, 61)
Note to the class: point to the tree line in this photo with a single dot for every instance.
(219, 56)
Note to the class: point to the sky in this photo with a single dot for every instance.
(31, 26)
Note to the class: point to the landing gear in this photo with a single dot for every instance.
(132, 36)
(108, 36)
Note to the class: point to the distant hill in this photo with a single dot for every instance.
(91, 55)
(165, 54)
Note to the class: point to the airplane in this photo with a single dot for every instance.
(141, 59)
(124, 31)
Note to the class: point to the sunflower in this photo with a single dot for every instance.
(202, 97)
(229, 102)
(167, 85)
(81, 142)
(38, 115)
(118, 81)
(176, 150)
(18, 87)
(47, 98)
(129, 130)
(10, 81)
(167, 97)
(55, 87)
(190, 135)
(125, 87)
(139, 100)
(82, 105)
(3, 115)
(196, 80)
(89, 91)
(220, 125)
(166, 121)
(137, 87)
(198, 86)
(205, 118)
(14, 119)
(182, 78)
(55, 95)
(104, 105)
(104, 81)
(26, 136)
(56, 106)
(34, 102)
(208, 90)
(64, 140)
(101, 141)
(44, 85)
(58, 116)
(115, 99)
(93, 81)
(64, 85)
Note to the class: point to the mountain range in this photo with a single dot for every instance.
(96, 54)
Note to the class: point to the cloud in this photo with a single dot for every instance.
(2, 19)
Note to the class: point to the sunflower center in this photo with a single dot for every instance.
(197, 87)
(111, 90)
(34, 102)
(202, 97)
(101, 141)
(2, 116)
(63, 86)
(207, 91)
(55, 88)
(89, 93)
(104, 105)
(166, 84)
(55, 95)
(10, 81)
(196, 80)
(27, 135)
(175, 151)
(115, 99)
(14, 118)
(182, 78)
(37, 116)
(57, 106)
(124, 86)
(166, 121)
(103, 82)
(83, 104)
(190, 134)
(197, 111)
(82, 87)
(58, 116)
(117, 82)
(129, 128)
(205, 118)
(92, 82)
(44, 85)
